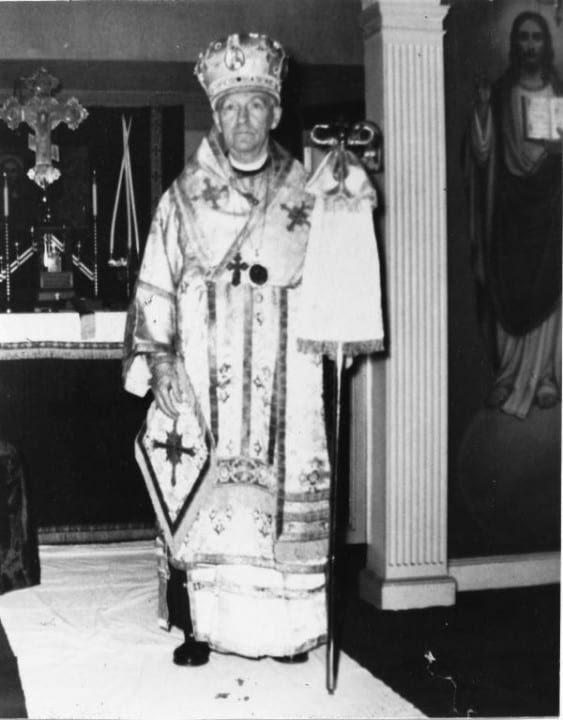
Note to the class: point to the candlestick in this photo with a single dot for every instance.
(7, 262)
(94, 195)
(6, 197)
(95, 238)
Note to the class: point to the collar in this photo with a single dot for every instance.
(250, 167)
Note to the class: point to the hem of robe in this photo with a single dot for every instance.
(306, 647)
(253, 619)
(288, 641)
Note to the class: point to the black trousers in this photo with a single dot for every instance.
(178, 601)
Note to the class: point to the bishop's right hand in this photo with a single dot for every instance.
(165, 385)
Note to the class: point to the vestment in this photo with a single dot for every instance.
(256, 552)
(515, 225)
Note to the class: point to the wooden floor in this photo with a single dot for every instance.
(496, 652)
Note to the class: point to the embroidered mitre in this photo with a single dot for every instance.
(241, 62)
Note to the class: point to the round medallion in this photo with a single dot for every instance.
(258, 274)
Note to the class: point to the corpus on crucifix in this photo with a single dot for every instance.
(37, 107)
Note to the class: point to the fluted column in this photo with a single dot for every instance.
(407, 392)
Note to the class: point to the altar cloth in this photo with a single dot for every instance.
(65, 335)
(88, 646)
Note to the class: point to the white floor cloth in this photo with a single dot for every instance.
(88, 646)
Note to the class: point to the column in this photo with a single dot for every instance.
(406, 392)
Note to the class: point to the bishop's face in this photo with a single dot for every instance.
(245, 120)
(531, 45)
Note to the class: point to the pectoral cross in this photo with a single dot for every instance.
(174, 450)
(236, 266)
(42, 112)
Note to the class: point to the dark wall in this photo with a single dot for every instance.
(469, 50)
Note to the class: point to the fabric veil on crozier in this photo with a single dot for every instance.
(341, 293)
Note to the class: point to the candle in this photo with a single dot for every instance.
(94, 195)
(6, 197)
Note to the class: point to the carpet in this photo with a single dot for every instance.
(88, 645)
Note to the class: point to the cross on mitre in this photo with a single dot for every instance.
(37, 107)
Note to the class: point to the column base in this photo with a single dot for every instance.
(407, 594)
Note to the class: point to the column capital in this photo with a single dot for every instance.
(420, 16)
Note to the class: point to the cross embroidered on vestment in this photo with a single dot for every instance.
(174, 450)
(297, 215)
(211, 193)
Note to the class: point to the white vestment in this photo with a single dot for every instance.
(255, 553)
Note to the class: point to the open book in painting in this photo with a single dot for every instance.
(544, 118)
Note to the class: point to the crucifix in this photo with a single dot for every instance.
(34, 103)
(37, 107)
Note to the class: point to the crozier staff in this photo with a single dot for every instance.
(218, 297)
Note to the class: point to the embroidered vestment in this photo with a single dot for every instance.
(256, 541)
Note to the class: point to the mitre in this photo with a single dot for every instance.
(241, 62)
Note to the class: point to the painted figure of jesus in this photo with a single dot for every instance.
(515, 223)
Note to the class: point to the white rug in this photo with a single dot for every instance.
(88, 646)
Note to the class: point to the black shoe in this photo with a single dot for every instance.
(192, 653)
(296, 659)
